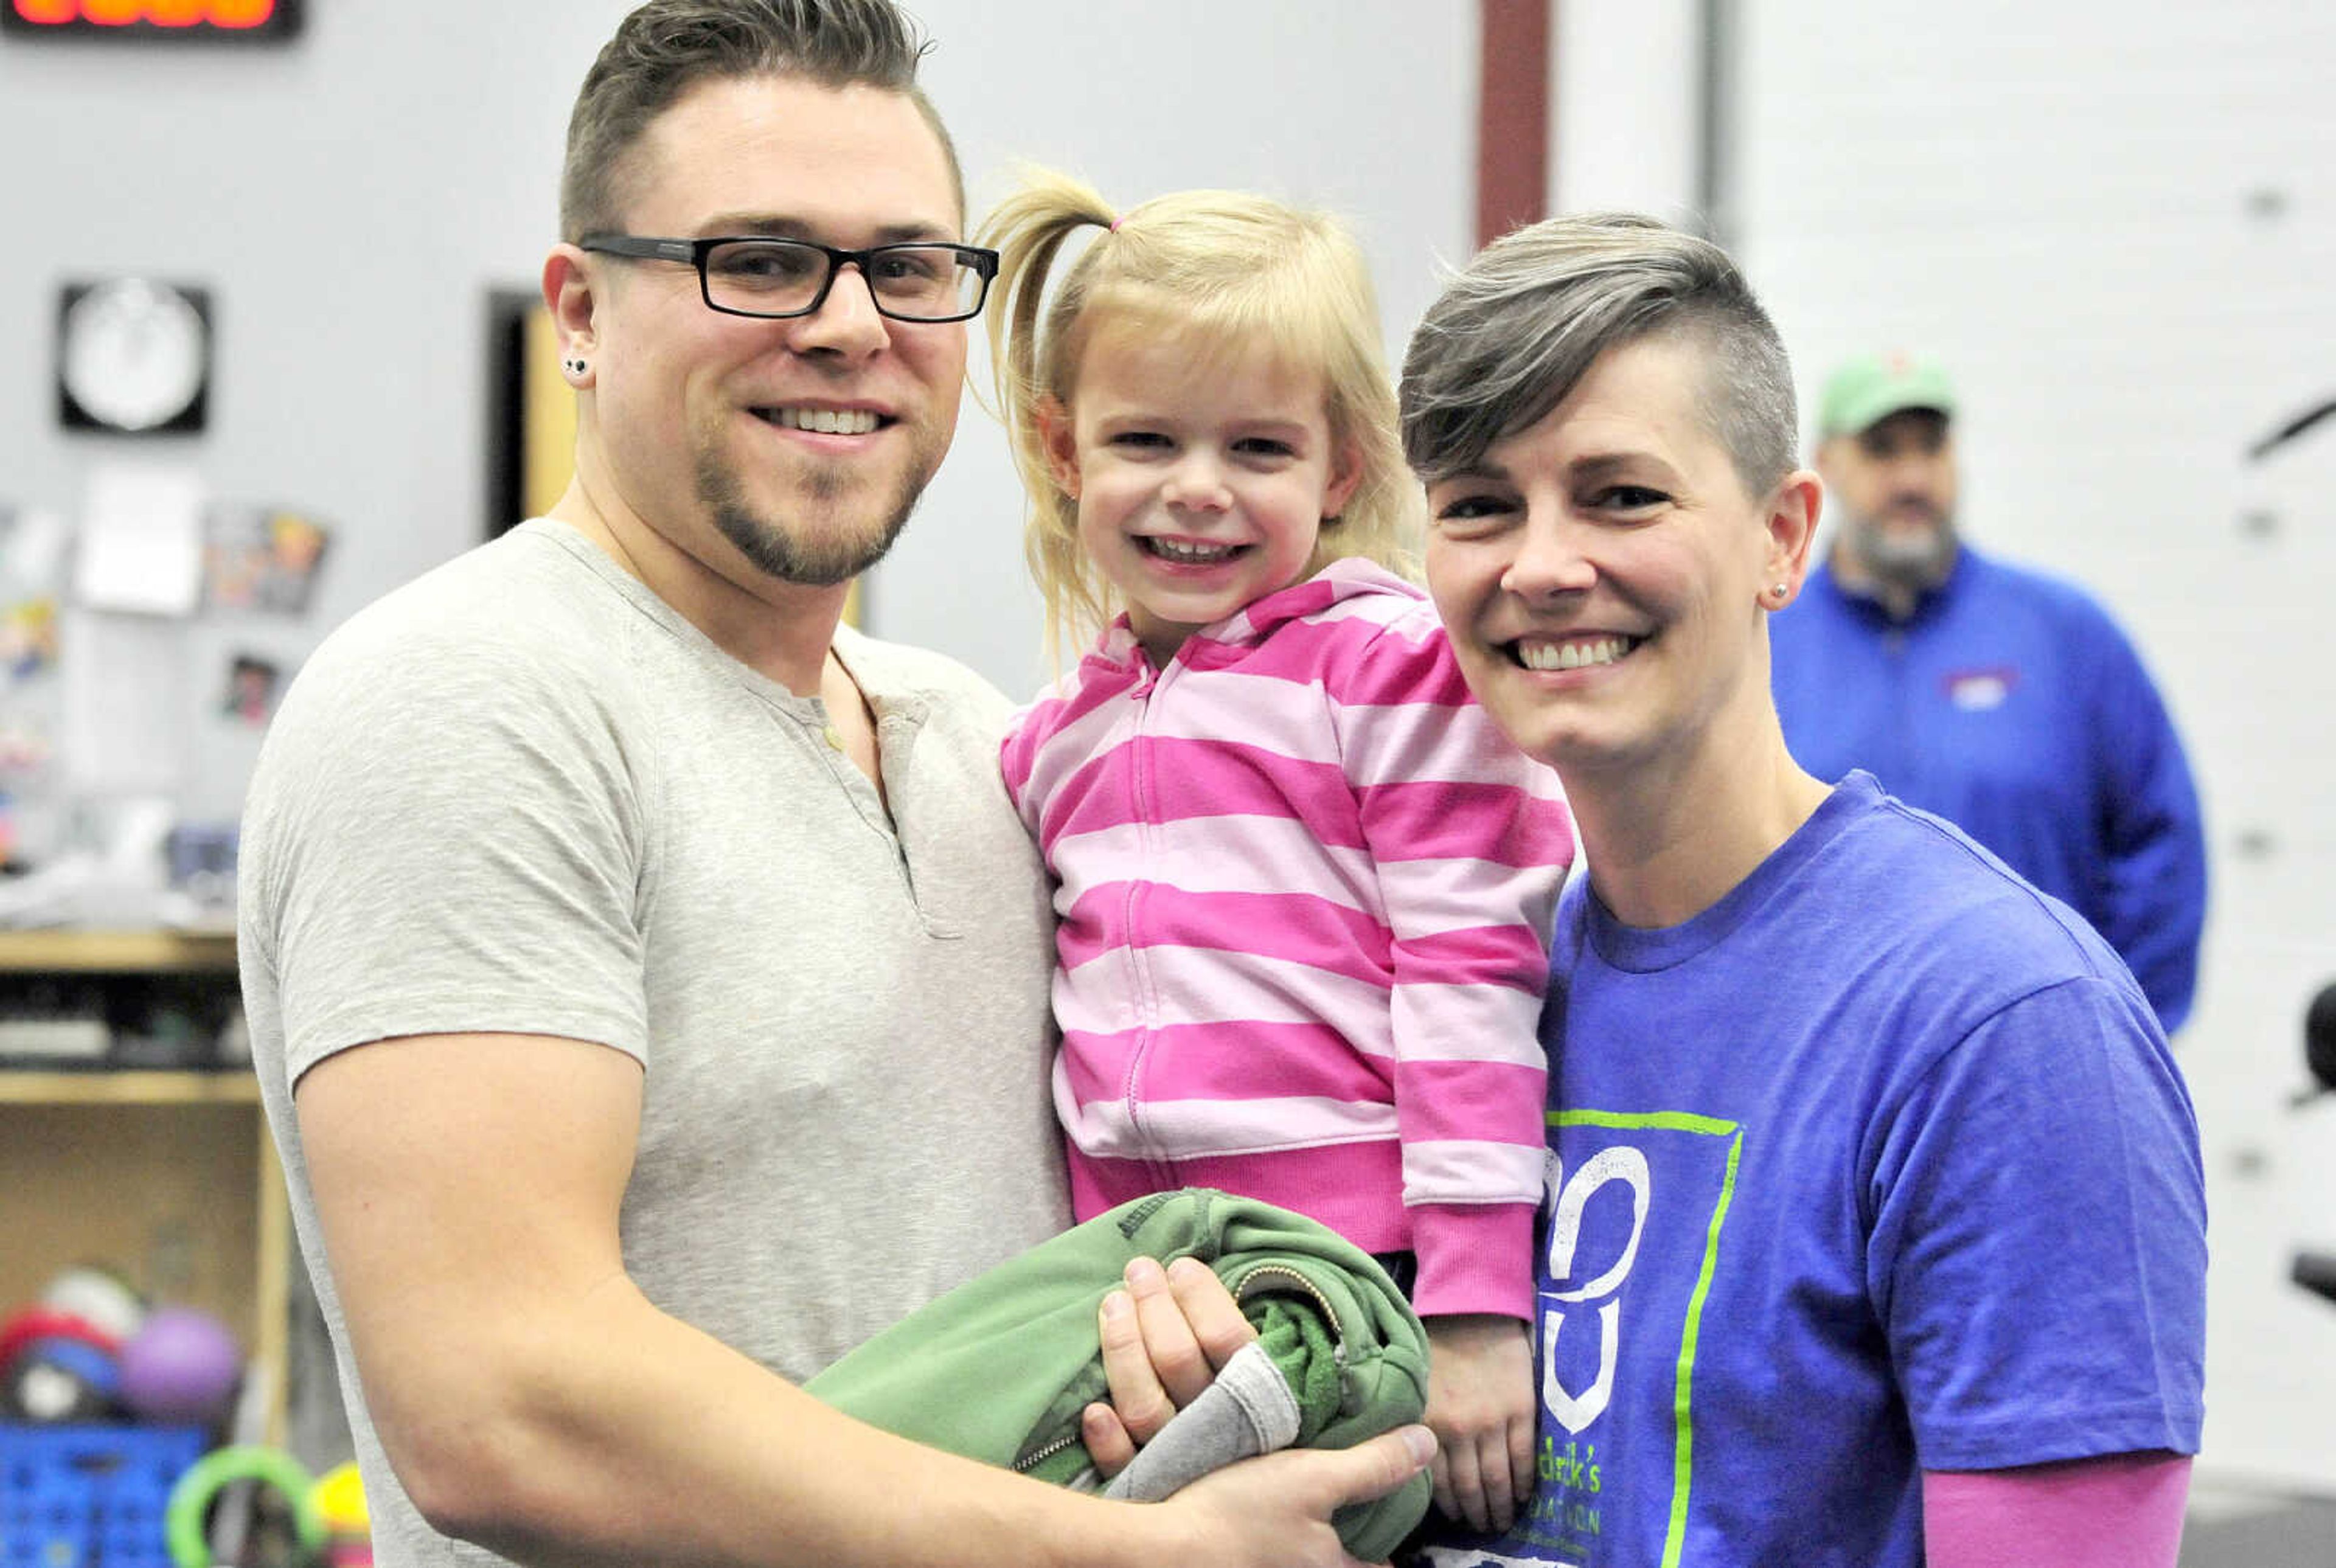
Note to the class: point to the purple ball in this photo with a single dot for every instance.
(181, 1366)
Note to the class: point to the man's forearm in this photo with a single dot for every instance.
(609, 1432)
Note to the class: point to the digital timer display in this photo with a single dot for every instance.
(155, 19)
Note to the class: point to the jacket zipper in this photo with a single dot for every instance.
(1306, 1287)
(1038, 1456)
(1139, 788)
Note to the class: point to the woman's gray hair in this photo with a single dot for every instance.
(1524, 322)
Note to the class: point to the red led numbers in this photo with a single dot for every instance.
(185, 17)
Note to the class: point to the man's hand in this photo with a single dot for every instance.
(1480, 1405)
(1274, 1512)
(1163, 1338)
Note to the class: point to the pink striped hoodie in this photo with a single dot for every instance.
(1305, 890)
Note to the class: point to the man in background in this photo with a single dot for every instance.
(1999, 698)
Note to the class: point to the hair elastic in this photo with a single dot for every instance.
(1117, 221)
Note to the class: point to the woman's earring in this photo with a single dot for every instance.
(577, 368)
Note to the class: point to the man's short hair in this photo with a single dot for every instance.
(1521, 324)
(667, 46)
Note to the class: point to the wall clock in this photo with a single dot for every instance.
(133, 356)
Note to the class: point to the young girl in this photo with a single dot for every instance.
(1305, 885)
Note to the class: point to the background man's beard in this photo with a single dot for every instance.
(812, 563)
(1909, 560)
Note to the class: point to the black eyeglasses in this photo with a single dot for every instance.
(923, 281)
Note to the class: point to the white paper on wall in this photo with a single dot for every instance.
(141, 538)
(125, 708)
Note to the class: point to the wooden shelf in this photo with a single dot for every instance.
(70, 952)
(103, 1087)
(170, 1175)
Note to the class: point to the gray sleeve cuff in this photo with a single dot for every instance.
(1248, 1410)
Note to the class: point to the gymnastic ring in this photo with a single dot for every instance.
(207, 1477)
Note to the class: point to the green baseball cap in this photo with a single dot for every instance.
(1874, 386)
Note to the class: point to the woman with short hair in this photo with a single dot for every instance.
(1877, 1225)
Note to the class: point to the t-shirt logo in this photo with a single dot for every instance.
(1568, 1197)
(1979, 690)
(1636, 1204)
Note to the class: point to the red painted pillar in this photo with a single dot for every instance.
(1513, 114)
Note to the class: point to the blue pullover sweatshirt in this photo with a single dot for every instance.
(2010, 704)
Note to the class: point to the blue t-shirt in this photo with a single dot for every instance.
(1880, 1165)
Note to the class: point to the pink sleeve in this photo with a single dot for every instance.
(2118, 1511)
(1014, 752)
(1470, 840)
(1035, 756)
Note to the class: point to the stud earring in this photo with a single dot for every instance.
(576, 367)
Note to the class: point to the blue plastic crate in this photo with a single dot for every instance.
(82, 1496)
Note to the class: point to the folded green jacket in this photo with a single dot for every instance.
(1000, 1369)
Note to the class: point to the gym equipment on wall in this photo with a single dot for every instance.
(2316, 1271)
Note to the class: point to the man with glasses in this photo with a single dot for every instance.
(646, 976)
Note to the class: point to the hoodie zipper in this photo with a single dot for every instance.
(1038, 1456)
(1140, 792)
(1282, 1274)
